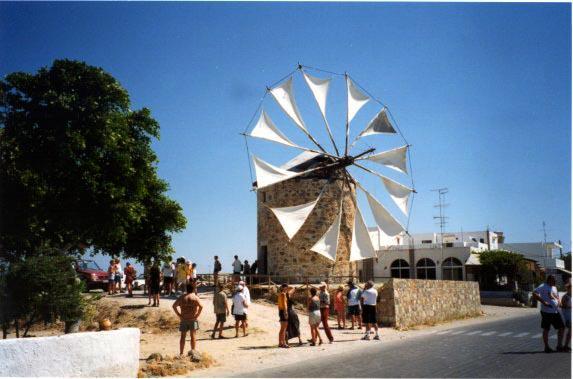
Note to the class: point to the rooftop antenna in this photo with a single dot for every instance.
(442, 219)
(544, 230)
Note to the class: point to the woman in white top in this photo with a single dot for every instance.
(239, 306)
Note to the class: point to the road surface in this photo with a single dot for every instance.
(508, 348)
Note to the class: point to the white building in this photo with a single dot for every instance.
(422, 256)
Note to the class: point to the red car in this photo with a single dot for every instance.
(91, 274)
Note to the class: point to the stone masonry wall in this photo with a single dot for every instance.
(294, 258)
(408, 302)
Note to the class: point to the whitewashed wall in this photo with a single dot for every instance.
(113, 353)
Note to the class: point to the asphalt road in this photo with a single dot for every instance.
(509, 348)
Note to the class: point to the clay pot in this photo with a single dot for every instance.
(105, 324)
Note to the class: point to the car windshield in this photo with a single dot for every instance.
(88, 265)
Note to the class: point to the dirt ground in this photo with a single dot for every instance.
(159, 328)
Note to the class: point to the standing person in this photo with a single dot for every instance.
(283, 315)
(221, 309)
(324, 297)
(247, 271)
(339, 307)
(216, 270)
(293, 328)
(354, 311)
(190, 310)
(247, 294)
(237, 268)
(181, 274)
(146, 267)
(239, 306)
(155, 283)
(118, 276)
(368, 299)
(194, 274)
(566, 306)
(549, 297)
(168, 272)
(313, 306)
(111, 277)
(130, 275)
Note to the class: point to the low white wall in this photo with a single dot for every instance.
(114, 353)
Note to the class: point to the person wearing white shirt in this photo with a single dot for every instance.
(239, 306)
(247, 294)
(368, 299)
(237, 268)
(548, 296)
(168, 272)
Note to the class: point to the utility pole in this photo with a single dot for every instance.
(544, 232)
(442, 219)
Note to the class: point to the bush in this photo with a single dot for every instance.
(41, 288)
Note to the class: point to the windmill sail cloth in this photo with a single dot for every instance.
(361, 247)
(292, 218)
(319, 88)
(284, 96)
(379, 125)
(394, 159)
(267, 174)
(266, 129)
(328, 243)
(398, 192)
(383, 218)
(356, 99)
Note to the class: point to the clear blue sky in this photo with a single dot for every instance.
(481, 91)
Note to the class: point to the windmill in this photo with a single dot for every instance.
(332, 165)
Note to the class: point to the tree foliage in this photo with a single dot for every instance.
(498, 264)
(77, 168)
(41, 288)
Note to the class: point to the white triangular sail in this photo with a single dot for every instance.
(284, 95)
(361, 247)
(356, 99)
(379, 125)
(266, 129)
(398, 192)
(292, 218)
(319, 88)
(328, 243)
(383, 218)
(267, 174)
(394, 159)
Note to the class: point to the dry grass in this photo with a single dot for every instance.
(173, 365)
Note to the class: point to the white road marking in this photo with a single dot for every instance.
(488, 333)
(521, 334)
(505, 334)
(458, 332)
(472, 333)
(537, 335)
(444, 332)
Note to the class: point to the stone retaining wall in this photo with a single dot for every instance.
(404, 303)
(114, 353)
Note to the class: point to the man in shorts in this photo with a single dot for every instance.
(190, 310)
(368, 299)
(353, 296)
(548, 296)
(221, 309)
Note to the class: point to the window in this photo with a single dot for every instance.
(400, 269)
(426, 241)
(481, 240)
(264, 197)
(449, 244)
(426, 269)
(452, 269)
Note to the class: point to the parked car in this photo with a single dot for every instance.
(139, 282)
(91, 274)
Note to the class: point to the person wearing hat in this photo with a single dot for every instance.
(239, 306)
(339, 307)
(324, 297)
(354, 311)
(247, 294)
(369, 299)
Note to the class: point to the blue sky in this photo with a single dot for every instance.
(481, 91)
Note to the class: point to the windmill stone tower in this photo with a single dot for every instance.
(276, 253)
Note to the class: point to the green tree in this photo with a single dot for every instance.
(567, 259)
(498, 264)
(77, 168)
(41, 288)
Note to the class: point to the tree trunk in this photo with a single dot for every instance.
(17, 327)
(72, 326)
(5, 327)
